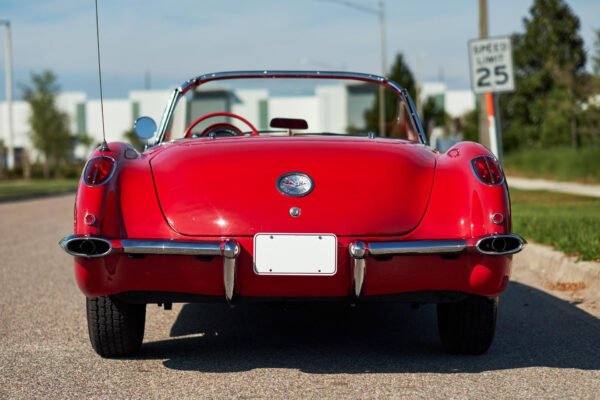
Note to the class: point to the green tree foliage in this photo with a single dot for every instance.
(549, 60)
(470, 128)
(434, 115)
(589, 122)
(596, 56)
(402, 75)
(50, 133)
(130, 136)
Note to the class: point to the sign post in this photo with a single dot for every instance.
(492, 72)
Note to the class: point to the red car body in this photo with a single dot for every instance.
(178, 221)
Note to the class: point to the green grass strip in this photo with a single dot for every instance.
(19, 189)
(569, 223)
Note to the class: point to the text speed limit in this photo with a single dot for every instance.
(491, 65)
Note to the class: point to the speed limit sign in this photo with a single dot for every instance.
(491, 65)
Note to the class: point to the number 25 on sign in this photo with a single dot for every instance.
(491, 65)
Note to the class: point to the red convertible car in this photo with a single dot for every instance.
(281, 185)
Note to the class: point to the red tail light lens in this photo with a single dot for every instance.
(488, 170)
(98, 170)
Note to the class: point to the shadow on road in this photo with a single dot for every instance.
(534, 329)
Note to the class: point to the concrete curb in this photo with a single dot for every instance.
(552, 266)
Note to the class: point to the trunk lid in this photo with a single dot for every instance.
(227, 187)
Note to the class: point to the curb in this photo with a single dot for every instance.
(553, 267)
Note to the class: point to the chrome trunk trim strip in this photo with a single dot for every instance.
(169, 247)
(417, 247)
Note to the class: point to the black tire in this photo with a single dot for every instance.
(116, 329)
(467, 326)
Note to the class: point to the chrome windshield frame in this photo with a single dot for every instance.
(205, 78)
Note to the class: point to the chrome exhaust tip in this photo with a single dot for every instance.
(89, 247)
(500, 244)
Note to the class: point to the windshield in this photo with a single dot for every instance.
(285, 106)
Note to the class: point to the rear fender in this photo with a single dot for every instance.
(460, 205)
(100, 203)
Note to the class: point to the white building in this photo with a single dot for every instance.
(329, 108)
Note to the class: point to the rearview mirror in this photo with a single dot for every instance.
(144, 127)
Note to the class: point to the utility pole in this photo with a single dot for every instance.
(9, 93)
(485, 100)
(380, 12)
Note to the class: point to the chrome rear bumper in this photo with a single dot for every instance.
(85, 246)
(229, 249)
(495, 245)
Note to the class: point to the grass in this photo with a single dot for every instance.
(18, 189)
(558, 163)
(569, 223)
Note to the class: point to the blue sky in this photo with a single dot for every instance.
(175, 40)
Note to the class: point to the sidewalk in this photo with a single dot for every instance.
(580, 189)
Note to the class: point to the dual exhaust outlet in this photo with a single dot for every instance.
(500, 244)
(89, 247)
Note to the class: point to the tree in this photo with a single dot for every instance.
(132, 137)
(549, 63)
(402, 75)
(596, 56)
(1, 159)
(434, 115)
(50, 133)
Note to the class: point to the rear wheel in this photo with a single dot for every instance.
(116, 329)
(467, 326)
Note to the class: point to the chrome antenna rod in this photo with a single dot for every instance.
(104, 146)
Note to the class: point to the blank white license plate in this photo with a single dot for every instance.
(295, 254)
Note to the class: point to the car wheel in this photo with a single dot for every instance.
(467, 326)
(116, 329)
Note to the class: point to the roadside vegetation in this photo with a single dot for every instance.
(556, 163)
(18, 189)
(569, 223)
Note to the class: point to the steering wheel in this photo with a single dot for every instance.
(188, 130)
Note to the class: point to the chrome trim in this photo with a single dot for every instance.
(522, 244)
(166, 116)
(202, 79)
(230, 250)
(110, 176)
(64, 243)
(417, 247)
(170, 247)
(358, 251)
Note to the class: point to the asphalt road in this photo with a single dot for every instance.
(544, 348)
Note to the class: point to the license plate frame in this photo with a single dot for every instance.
(312, 254)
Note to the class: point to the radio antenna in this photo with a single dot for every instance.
(104, 146)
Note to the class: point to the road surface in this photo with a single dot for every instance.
(544, 348)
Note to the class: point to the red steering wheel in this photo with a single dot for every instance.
(188, 131)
